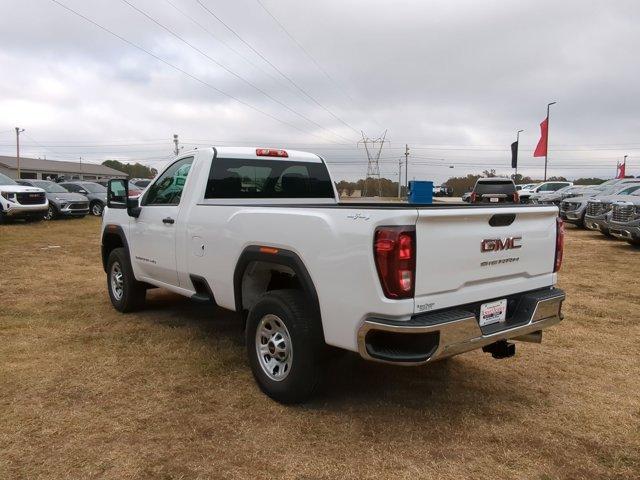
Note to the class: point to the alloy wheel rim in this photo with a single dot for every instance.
(273, 347)
(96, 209)
(49, 214)
(117, 281)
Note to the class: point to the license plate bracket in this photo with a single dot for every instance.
(493, 312)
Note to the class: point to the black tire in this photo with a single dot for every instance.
(3, 218)
(51, 214)
(96, 208)
(131, 294)
(306, 342)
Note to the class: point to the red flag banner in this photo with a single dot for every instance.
(541, 148)
(622, 167)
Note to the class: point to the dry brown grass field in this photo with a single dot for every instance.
(86, 392)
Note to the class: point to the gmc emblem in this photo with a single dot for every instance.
(497, 244)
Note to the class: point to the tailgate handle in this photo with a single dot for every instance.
(502, 219)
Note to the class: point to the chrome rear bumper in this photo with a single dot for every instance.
(455, 331)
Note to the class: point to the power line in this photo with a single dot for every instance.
(175, 67)
(306, 52)
(228, 70)
(298, 87)
(223, 42)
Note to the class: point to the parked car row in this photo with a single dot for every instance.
(612, 208)
(504, 190)
(45, 199)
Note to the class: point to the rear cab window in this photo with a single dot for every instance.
(249, 178)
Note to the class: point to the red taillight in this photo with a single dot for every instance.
(271, 152)
(559, 244)
(472, 198)
(395, 255)
(516, 197)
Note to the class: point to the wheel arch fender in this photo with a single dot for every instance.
(278, 256)
(113, 236)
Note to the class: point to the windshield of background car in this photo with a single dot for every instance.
(4, 180)
(623, 188)
(629, 190)
(93, 187)
(495, 186)
(551, 187)
(50, 187)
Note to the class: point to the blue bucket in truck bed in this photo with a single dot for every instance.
(420, 191)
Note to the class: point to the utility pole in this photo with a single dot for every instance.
(18, 132)
(546, 153)
(373, 159)
(406, 167)
(80, 167)
(176, 149)
(399, 178)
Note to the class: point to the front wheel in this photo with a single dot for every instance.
(284, 345)
(51, 213)
(96, 209)
(126, 293)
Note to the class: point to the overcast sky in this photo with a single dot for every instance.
(453, 79)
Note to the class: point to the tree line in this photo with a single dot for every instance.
(134, 170)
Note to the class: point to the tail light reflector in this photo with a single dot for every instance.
(394, 250)
(559, 244)
(516, 197)
(472, 198)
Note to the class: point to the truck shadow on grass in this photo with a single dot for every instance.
(470, 384)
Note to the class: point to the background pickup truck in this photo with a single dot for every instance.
(262, 232)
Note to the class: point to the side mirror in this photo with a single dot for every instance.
(118, 197)
(117, 193)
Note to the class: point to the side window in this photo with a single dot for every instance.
(72, 187)
(167, 189)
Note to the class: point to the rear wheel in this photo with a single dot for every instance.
(285, 346)
(126, 293)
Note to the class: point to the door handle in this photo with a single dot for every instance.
(168, 220)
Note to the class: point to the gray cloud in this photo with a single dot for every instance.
(445, 77)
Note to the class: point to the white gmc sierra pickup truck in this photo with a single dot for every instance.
(262, 232)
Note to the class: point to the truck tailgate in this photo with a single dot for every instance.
(467, 255)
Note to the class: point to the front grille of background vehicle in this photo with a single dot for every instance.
(27, 198)
(78, 206)
(623, 213)
(594, 208)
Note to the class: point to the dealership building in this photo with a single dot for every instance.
(36, 168)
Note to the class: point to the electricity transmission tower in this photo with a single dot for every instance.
(373, 147)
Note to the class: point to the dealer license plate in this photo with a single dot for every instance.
(493, 312)
(494, 199)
